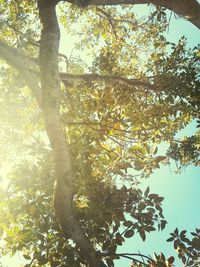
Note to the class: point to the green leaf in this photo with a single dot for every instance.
(27, 257)
(155, 150)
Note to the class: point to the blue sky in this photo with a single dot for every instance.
(181, 209)
(181, 191)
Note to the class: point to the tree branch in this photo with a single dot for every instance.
(132, 256)
(68, 77)
(188, 9)
(21, 63)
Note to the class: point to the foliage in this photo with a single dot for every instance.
(114, 131)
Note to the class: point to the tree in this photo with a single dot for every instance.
(104, 129)
(189, 10)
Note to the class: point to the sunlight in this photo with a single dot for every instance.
(118, 121)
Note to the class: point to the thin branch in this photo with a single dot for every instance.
(31, 262)
(190, 10)
(110, 20)
(67, 77)
(133, 259)
(106, 78)
(104, 254)
(97, 123)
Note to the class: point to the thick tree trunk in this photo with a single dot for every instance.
(50, 83)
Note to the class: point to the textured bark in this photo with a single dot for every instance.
(189, 9)
(50, 82)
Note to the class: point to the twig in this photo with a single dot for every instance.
(110, 20)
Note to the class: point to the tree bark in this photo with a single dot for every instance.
(188, 9)
(50, 83)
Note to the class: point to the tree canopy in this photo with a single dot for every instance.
(79, 132)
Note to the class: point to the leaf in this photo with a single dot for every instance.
(171, 260)
(119, 239)
(163, 224)
(115, 228)
(128, 223)
(183, 259)
(182, 233)
(146, 193)
(27, 257)
(118, 242)
(150, 228)
(138, 165)
(141, 206)
(155, 150)
(170, 239)
(176, 231)
(176, 243)
(160, 158)
(153, 196)
(142, 234)
(124, 165)
(129, 233)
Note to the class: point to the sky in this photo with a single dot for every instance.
(181, 191)
(181, 194)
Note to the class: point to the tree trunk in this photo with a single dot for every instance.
(50, 83)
